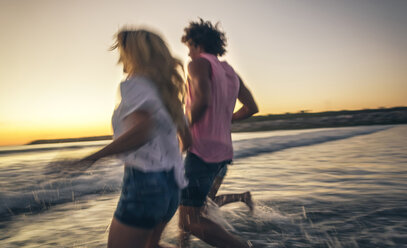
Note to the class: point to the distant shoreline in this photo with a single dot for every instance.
(290, 121)
(303, 120)
(53, 141)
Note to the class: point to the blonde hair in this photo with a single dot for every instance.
(145, 53)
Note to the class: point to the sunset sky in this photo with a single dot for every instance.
(58, 79)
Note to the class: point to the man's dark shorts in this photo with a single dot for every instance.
(200, 175)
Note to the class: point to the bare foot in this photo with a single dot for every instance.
(247, 198)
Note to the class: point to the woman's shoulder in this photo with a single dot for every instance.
(137, 84)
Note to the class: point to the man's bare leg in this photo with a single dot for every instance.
(215, 187)
(245, 197)
(184, 238)
(221, 200)
(191, 220)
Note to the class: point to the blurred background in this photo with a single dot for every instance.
(327, 166)
(58, 79)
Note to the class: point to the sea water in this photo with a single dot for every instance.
(333, 187)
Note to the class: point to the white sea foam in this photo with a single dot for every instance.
(49, 182)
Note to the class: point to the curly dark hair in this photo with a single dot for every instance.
(204, 34)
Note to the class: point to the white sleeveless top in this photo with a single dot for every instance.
(161, 152)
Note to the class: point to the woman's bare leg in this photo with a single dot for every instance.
(124, 236)
(156, 236)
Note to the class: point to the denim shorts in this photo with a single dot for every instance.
(147, 198)
(200, 175)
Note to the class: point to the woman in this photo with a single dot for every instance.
(145, 125)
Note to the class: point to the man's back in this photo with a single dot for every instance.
(211, 134)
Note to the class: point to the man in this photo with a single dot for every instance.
(213, 88)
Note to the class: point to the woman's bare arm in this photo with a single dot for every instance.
(137, 133)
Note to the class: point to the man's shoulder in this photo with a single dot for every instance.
(199, 64)
(199, 61)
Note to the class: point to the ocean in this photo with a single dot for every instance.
(331, 187)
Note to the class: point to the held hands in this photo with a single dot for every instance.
(184, 138)
(184, 144)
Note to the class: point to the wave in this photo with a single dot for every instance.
(253, 147)
(59, 183)
(51, 183)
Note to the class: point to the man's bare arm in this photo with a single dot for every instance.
(249, 107)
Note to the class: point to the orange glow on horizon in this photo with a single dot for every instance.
(15, 135)
(20, 134)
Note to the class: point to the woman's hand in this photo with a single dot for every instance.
(68, 167)
(89, 159)
(83, 164)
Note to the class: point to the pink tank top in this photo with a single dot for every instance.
(211, 135)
